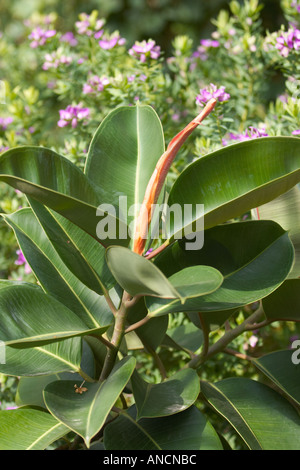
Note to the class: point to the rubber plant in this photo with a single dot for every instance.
(106, 289)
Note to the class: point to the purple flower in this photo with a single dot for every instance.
(210, 92)
(69, 38)
(288, 41)
(144, 50)
(22, 261)
(295, 4)
(4, 122)
(56, 58)
(72, 115)
(89, 24)
(95, 84)
(251, 133)
(109, 42)
(296, 132)
(39, 36)
(209, 43)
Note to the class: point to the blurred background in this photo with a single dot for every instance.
(161, 20)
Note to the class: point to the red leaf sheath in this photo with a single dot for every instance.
(159, 175)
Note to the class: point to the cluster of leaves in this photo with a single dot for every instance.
(145, 383)
(95, 294)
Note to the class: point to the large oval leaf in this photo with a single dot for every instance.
(137, 275)
(86, 413)
(57, 183)
(29, 429)
(53, 275)
(280, 369)
(234, 179)
(81, 253)
(174, 395)
(29, 317)
(188, 430)
(285, 210)
(262, 417)
(283, 303)
(123, 154)
(254, 257)
(61, 356)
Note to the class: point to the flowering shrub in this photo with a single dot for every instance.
(134, 319)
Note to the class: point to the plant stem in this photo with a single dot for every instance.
(229, 336)
(205, 331)
(139, 323)
(237, 354)
(117, 336)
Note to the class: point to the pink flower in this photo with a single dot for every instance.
(210, 92)
(55, 59)
(250, 133)
(4, 122)
(89, 24)
(110, 42)
(296, 132)
(39, 36)
(288, 41)
(72, 115)
(144, 50)
(22, 261)
(95, 84)
(69, 38)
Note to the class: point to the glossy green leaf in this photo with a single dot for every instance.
(86, 413)
(29, 429)
(137, 275)
(188, 430)
(59, 184)
(30, 389)
(52, 273)
(283, 303)
(174, 395)
(196, 280)
(123, 154)
(263, 418)
(254, 257)
(29, 317)
(80, 252)
(186, 337)
(282, 371)
(235, 179)
(54, 358)
(285, 210)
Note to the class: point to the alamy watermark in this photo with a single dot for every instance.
(2, 353)
(166, 222)
(296, 353)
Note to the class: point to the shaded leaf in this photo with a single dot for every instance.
(188, 430)
(86, 413)
(262, 417)
(254, 257)
(174, 395)
(279, 368)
